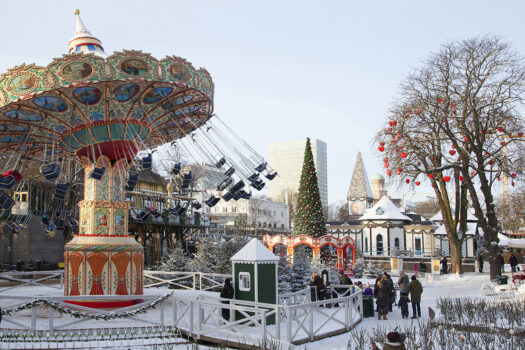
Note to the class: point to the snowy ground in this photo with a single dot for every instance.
(435, 286)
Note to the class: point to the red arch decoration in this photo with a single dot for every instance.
(315, 243)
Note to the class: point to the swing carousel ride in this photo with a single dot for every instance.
(107, 115)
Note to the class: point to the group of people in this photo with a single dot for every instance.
(386, 295)
(318, 284)
(513, 262)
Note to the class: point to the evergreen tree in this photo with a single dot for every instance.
(309, 218)
(213, 255)
(301, 269)
(284, 273)
(359, 268)
(177, 260)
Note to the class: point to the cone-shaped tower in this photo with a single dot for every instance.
(83, 41)
(359, 193)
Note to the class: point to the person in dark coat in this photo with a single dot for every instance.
(480, 263)
(317, 287)
(513, 261)
(422, 268)
(392, 298)
(382, 292)
(403, 303)
(415, 289)
(501, 262)
(395, 341)
(444, 265)
(226, 293)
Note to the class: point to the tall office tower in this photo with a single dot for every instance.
(287, 158)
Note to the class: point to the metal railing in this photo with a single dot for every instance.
(184, 280)
(14, 279)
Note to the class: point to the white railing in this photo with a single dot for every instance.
(16, 279)
(184, 280)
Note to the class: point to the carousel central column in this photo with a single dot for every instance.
(102, 259)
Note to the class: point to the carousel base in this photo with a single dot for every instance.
(107, 304)
(107, 265)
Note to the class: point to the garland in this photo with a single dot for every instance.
(78, 314)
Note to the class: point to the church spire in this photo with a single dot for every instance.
(359, 193)
(83, 41)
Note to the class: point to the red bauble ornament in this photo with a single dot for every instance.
(430, 175)
(452, 152)
(399, 171)
(381, 143)
(394, 123)
(380, 148)
(520, 134)
(453, 147)
(390, 123)
(407, 181)
(389, 173)
(466, 139)
(502, 143)
(418, 110)
(417, 183)
(460, 178)
(513, 175)
(387, 165)
(512, 183)
(500, 129)
(491, 162)
(403, 155)
(440, 100)
(452, 105)
(385, 159)
(446, 178)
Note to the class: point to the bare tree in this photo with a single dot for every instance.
(466, 101)
(427, 208)
(289, 198)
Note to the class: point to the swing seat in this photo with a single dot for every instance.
(176, 169)
(212, 201)
(229, 172)
(245, 195)
(253, 177)
(196, 205)
(97, 173)
(6, 202)
(233, 190)
(133, 179)
(260, 168)
(7, 182)
(50, 171)
(271, 176)
(258, 184)
(147, 161)
(61, 191)
(224, 184)
(129, 188)
(178, 210)
(142, 217)
(156, 213)
(186, 181)
(220, 163)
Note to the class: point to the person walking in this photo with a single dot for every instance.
(415, 289)
(382, 293)
(513, 261)
(402, 281)
(226, 293)
(444, 266)
(480, 263)
(317, 287)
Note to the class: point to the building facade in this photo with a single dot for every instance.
(287, 159)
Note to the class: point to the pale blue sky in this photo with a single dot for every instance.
(283, 70)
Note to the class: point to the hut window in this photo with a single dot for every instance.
(244, 281)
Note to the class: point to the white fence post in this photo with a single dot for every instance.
(50, 319)
(347, 311)
(162, 314)
(277, 322)
(174, 303)
(191, 318)
(263, 331)
(33, 318)
(311, 323)
(288, 324)
(199, 318)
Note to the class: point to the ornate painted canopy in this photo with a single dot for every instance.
(83, 103)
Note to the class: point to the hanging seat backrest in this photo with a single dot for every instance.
(225, 183)
(196, 205)
(176, 169)
(271, 176)
(229, 172)
(61, 191)
(97, 173)
(212, 201)
(143, 216)
(258, 184)
(6, 202)
(220, 162)
(7, 182)
(178, 210)
(253, 177)
(50, 171)
(260, 168)
(147, 161)
(186, 180)
(245, 195)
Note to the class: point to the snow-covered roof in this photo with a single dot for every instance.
(511, 242)
(470, 216)
(385, 209)
(254, 251)
(471, 229)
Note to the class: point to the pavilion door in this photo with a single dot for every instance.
(417, 246)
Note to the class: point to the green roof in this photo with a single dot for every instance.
(377, 176)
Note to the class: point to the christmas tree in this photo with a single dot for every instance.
(284, 273)
(309, 218)
(301, 269)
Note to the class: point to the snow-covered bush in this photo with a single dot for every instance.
(359, 268)
(371, 270)
(284, 275)
(213, 255)
(177, 260)
(301, 269)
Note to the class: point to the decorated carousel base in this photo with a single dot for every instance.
(106, 304)
(108, 265)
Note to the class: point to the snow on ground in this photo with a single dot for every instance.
(434, 286)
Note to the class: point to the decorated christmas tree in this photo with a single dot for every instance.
(309, 218)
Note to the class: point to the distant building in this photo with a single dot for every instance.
(287, 158)
(378, 187)
(360, 196)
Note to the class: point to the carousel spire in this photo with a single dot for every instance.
(83, 41)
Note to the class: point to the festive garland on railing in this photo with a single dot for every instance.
(78, 314)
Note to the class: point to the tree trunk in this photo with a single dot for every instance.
(456, 257)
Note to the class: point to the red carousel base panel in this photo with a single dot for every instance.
(104, 304)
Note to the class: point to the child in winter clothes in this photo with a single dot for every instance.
(403, 304)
